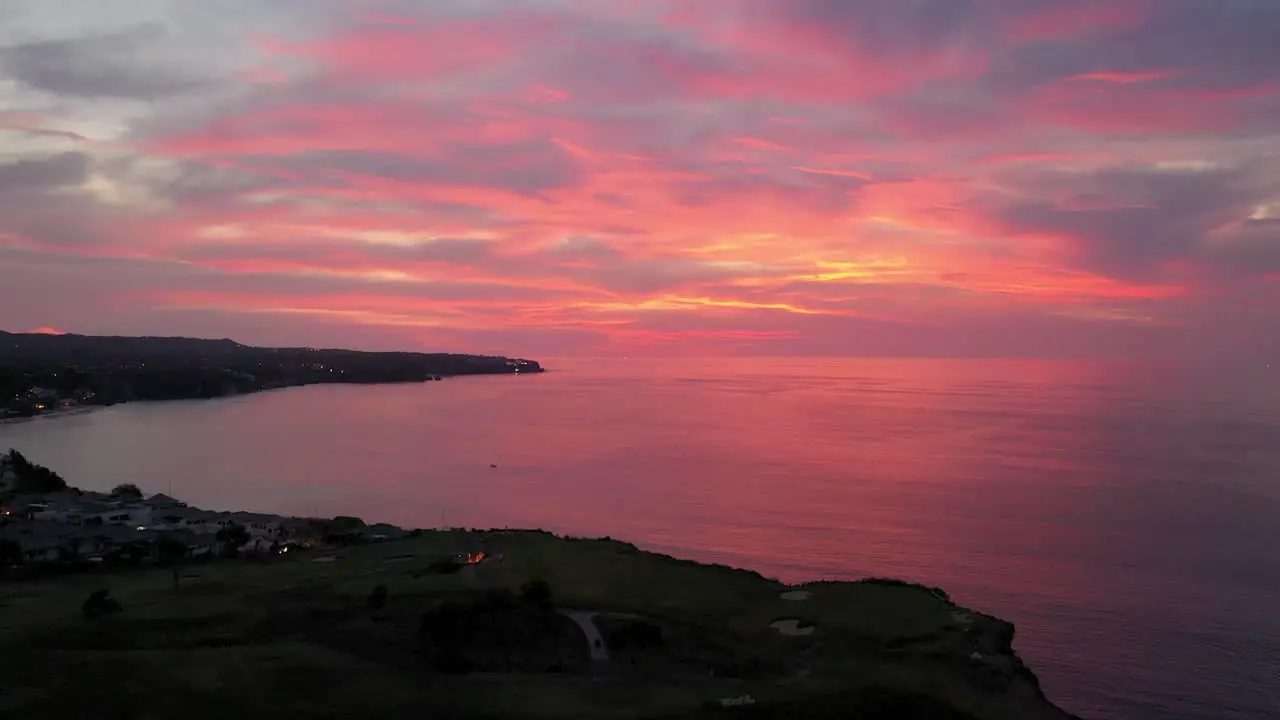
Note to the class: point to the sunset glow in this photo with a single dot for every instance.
(646, 176)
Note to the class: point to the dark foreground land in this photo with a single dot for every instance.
(43, 373)
(491, 624)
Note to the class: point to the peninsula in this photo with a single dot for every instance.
(44, 373)
(333, 618)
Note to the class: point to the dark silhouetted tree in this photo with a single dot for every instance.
(10, 554)
(345, 523)
(99, 603)
(127, 491)
(378, 598)
(170, 551)
(537, 594)
(71, 551)
(233, 537)
(32, 478)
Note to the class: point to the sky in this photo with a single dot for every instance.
(1044, 178)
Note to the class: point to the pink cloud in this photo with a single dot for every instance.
(409, 50)
(1115, 108)
(734, 175)
(1121, 78)
(1078, 18)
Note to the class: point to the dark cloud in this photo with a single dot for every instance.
(1252, 248)
(104, 66)
(1131, 222)
(1195, 55)
(55, 171)
(580, 248)
(527, 167)
(1200, 45)
(909, 28)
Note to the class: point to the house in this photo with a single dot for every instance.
(100, 541)
(205, 521)
(260, 526)
(133, 515)
(175, 518)
(198, 545)
(56, 507)
(41, 549)
(41, 542)
(88, 513)
(198, 521)
(161, 501)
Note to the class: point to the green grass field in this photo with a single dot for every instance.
(292, 637)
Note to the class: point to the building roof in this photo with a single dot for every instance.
(176, 514)
(162, 500)
(252, 517)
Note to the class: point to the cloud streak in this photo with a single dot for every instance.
(540, 176)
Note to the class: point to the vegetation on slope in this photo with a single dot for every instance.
(410, 629)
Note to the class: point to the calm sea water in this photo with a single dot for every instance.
(1126, 518)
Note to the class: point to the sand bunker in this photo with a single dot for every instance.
(795, 595)
(791, 627)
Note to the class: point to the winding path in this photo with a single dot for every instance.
(595, 642)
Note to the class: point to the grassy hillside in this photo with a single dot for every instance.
(298, 636)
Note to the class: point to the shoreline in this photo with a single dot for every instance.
(86, 409)
(53, 415)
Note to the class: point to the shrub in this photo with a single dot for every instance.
(234, 537)
(98, 604)
(171, 551)
(10, 553)
(894, 582)
(536, 593)
(378, 598)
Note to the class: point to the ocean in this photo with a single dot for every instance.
(1125, 517)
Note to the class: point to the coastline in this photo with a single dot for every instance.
(729, 636)
(792, 648)
(54, 415)
(38, 371)
(86, 409)
(858, 640)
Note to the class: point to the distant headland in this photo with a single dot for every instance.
(47, 373)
